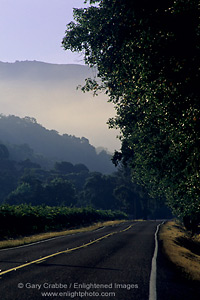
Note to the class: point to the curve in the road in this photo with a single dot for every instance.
(62, 252)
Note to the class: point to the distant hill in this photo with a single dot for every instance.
(48, 92)
(26, 139)
(40, 71)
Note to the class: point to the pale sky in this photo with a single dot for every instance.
(33, 30)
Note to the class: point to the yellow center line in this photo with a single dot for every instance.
(62, 252)
(126, 228)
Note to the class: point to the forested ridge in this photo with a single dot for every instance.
(26, 139)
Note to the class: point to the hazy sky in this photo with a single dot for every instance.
(33, 30)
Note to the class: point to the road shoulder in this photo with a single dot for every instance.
(173, 282)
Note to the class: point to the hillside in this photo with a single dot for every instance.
(48, 92)
(49, 144)
(40, 71)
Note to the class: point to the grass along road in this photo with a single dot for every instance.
(181, 249)
(10, 243)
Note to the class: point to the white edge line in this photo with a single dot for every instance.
(152, 282)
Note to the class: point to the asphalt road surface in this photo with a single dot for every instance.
(113, 262)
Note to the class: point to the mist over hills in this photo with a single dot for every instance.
(26, 139)
(47, 92)
(40, 71)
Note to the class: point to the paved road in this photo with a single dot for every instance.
(110, 263)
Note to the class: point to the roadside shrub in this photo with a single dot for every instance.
(24, 219)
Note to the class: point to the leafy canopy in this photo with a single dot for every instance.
(147, 56)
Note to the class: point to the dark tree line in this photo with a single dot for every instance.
(71, 185)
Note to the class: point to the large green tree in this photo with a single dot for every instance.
(98, 191)
(147, 56)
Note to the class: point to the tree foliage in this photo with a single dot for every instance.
(34, 186)
(147, 56)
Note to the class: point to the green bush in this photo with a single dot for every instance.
(24, 219)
